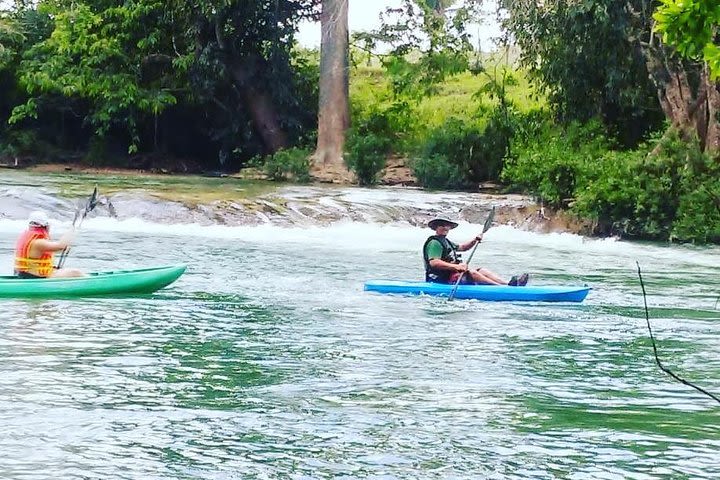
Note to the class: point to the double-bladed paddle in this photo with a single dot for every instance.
(486, 227)
(80, 215)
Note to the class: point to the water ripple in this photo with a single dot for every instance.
(267, 360)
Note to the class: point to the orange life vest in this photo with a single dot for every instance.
(40, 267)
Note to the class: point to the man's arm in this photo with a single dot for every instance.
(453, 267)
(469, 244)
(434, 254)
(41, 245)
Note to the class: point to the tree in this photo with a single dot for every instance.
(218, 74)
(586, 56)
(334, 106)
(242, 51)
(691, 26)
(688, 96)
(9, 35)
(96, 53)
(600, 57)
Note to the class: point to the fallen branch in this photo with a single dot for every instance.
(657, 358)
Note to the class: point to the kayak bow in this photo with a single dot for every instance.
(118, 282)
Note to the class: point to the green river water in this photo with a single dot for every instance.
(267, 360)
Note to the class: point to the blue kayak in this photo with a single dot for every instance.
(498, 293)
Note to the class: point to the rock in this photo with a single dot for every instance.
(333, 174)
(396, 172)
(537, 218)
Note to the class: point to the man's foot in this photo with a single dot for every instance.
(520, 281)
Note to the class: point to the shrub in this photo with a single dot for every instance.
(552, 163)
(366, 154)
(475, 150)
(439, 173)
(18, 142)
(289, 164)
(667, 193)
(369, 142)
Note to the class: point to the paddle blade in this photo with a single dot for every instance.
(489, 221)
(92, 201)
(111, 208)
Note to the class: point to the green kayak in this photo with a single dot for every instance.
(118, 282)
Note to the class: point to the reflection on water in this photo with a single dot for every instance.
(267, 360)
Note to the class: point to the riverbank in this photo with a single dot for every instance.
(396, 172)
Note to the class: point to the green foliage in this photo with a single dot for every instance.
(366, 155)
(466, 147)
(427, 28)
(691, 26)
(246, 73)
(553, 162)
(289, 164)
(10, 36)
(368, 144)
(698, 215)
(415, 80)
(664, 191)
(182, 78)
(670, 193)
(429, 46)
(437, 172)
(476, 152)
(95, 55)
(640, 193)
(18, 142)
(586, 55)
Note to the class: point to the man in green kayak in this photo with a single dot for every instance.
(34, 250)
(444, 265)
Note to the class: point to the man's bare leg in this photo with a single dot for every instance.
(67, 273)
(498, 280)
(481, 276)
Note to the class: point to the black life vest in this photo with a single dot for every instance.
(449, 254)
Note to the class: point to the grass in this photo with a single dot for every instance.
(456, 97)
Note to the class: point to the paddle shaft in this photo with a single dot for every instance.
(457, 282)
(66, 250)
(488, 224)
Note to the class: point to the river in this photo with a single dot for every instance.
(267, 359)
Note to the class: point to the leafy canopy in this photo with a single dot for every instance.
(96, 54)
(586, 55)
(691, 26)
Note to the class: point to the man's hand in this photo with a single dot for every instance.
(461, 267)
(68, 238)
(478, 238)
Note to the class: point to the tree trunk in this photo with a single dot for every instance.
(712, 140)
(673, 88)
(260, 105)
(691, 112)
(262, 111)
(334, 107)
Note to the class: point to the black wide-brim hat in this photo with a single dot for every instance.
(436, 222)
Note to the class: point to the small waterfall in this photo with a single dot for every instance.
(282, 206)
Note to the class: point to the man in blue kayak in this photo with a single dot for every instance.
(444, 265)
(34, 250)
